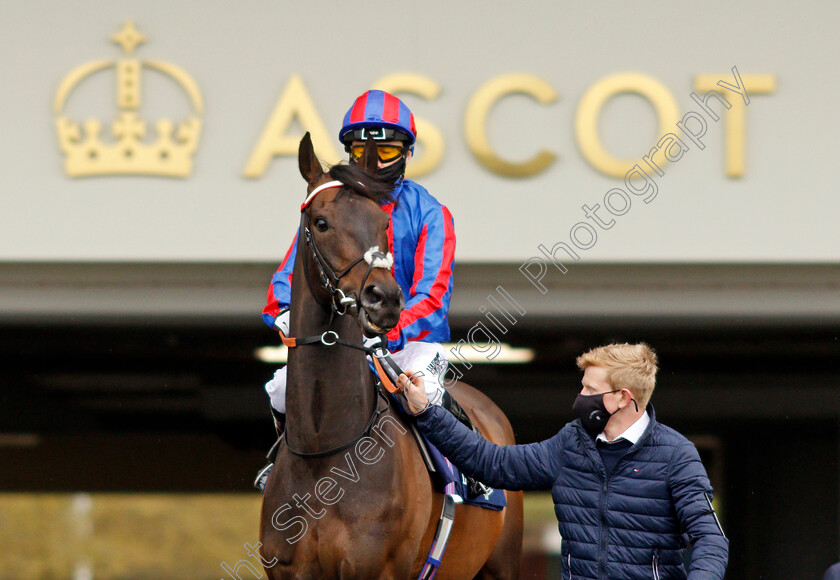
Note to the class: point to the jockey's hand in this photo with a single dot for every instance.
(281, 323)
(414, 387)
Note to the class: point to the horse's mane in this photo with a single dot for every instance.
(362, 183)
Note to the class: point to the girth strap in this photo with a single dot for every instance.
(442, 533)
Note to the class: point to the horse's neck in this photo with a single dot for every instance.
(329, 390)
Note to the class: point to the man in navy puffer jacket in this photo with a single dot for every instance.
(627, 490)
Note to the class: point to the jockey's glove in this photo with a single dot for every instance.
(281, 322)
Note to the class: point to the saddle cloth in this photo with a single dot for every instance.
(449, 479)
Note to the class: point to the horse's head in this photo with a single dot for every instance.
(348, 266)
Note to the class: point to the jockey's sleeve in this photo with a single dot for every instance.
(280, 290)
(515, 467)
(427, 305)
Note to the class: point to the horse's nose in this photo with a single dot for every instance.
(375, 297)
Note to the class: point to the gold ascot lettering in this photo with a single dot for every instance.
(294, 103)
(428, 135)
(135, 146)
(593, 101)
(734, 116)
(475, 123)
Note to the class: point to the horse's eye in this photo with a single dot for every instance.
(321, 224)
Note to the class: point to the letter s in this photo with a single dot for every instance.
(296, 520)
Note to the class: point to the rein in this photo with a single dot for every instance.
(377, 411)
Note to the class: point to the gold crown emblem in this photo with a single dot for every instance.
(128, 153)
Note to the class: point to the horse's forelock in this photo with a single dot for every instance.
(362, 183)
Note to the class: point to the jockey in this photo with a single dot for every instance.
(421, 239)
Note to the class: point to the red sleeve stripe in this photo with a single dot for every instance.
(272, 306)
(441, 285)
(389, 209)
(421, 336)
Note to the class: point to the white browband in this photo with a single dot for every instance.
(317, 190)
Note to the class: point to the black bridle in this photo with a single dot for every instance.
(329, 276)
(339, 302)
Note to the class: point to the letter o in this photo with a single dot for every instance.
(593, 101)
(593, 235)
(608, 201)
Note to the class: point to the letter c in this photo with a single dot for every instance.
(475, 123)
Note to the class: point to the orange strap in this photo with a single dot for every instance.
(386, 382)
(289, 342)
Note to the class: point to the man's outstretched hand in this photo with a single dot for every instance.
(413, 386)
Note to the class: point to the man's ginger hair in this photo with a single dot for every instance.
(628, 366)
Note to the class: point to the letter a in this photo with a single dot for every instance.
(294, 103)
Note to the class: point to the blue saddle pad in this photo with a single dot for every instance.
(450, 480)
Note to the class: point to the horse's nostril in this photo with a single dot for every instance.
(372, 296)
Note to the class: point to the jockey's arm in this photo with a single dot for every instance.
(427, 303)
(280, 289)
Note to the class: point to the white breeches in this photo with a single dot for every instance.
(426, 357)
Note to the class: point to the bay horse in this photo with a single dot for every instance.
(350, 496)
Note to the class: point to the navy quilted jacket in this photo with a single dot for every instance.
(630, 526)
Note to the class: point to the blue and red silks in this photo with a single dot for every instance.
(421, 238)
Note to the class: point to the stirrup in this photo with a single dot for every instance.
(262, 477)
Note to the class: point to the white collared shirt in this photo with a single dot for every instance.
(632, 433)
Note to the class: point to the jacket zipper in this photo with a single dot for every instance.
(655, 566)
(569, 564)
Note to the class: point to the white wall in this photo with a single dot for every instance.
(243, 55)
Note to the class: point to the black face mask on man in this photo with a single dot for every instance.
(592, 412)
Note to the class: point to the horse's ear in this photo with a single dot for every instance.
(370, 159)
(310, 167)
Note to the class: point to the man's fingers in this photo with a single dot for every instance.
(406, 377)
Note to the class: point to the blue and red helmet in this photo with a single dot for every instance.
(379, 115)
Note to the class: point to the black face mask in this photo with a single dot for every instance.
(392, 173)
(592, 412)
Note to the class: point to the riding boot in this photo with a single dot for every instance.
(449, 403)
(279, 427)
